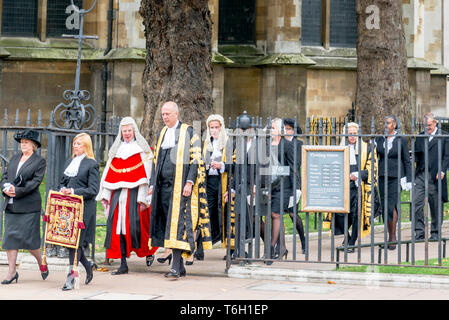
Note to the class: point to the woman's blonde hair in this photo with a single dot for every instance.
(277, 123)
(87, 143)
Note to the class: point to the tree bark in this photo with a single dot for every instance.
(382, 74)
(178, 61)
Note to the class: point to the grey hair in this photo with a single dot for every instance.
(173, 104)
(429, 115)
(353, 125)
(392, 117)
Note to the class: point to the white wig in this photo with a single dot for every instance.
(222, 138)
(139, 138)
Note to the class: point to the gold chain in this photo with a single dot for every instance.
(128, 169)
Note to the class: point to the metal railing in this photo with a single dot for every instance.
(56, 147)
(254, 222)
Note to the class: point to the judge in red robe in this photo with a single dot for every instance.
(124, 195)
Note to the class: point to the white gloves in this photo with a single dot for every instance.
(298, 195)
(407, 186)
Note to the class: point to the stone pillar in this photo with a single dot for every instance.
(283, 26)
(213, 8)
(445, 11)
(413, 17)
(218, 89)
(433, 31)
(445, 14)
(420, 87)
(283, 92)
(130, 27)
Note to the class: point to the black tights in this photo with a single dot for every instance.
(299, 228)
(276, 229)
(80, 258)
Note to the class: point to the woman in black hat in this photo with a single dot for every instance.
(20, 186)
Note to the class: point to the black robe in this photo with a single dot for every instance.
(185, 214)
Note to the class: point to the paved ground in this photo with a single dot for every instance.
(206, 280)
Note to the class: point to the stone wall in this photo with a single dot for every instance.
(241, 91)
(283, 26)
(39, 85)
(330, 92)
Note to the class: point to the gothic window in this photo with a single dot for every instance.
(329, 23)
(343, 23)
(237, 22)
(19, 18)
(311, 17)
(58, 11)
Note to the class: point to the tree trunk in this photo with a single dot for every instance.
(382, 77)
(178, 62)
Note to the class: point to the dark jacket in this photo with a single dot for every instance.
(28, 198)
(298, 160)
(86, 183)
(433, 158)
(392, 157)
(190, 170)
(285, 155)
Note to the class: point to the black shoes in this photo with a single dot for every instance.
(149, 260)
(175, 274)
(189, 263)
(44, 271)
(162, 260)
(16, 277)
(198, 256)
(89, 273)
(120, 271)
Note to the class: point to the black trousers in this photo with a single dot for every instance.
(353, 219)
(213, 188)
(433, 204)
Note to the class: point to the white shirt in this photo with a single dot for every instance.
(352, 159)
(128, 149)
(73, 167)
(390, 142)
(433, 134)
(9, 185)
(169, 138)
(216, 156)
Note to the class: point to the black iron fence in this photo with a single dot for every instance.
(56, 146)
(257, 231)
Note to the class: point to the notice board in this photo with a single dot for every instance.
(325, 179)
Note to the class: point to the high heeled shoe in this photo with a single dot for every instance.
(272, 256)
(285, 254)
(69, 283)
(16, 277)
(190, 262)
(44, 271)
(162, 260)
